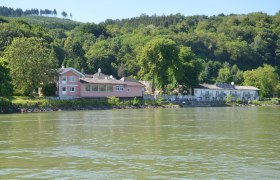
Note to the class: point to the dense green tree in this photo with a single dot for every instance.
(31, 61)
(6, 87)
(230, 74)
(102, 55)
(210, 72)
(237, 75)
(49, 89)
(245, 41)
(159, 61)
(64, 14)
(224, 76)
(265, 78)
(74, 55)
(188, 69)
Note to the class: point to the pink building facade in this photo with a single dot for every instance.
(73, 84)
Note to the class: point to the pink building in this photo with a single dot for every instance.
(74, 84)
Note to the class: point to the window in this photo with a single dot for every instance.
(128, 89)
(217, 92)
(94, 87)
(195, 91)
(72, 89)
(110, 88)
(87, 88)
(64, 79)
(119, 87)
(72, 78)
(63, 90)
(102, 88)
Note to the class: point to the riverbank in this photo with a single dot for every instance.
(33, 105)
(29, 105)
(50, 109)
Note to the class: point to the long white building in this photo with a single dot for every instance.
(212, 92)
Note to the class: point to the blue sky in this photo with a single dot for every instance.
(100, 10)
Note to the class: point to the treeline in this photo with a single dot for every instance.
(11, 12)
(175, 52)
(144, 19)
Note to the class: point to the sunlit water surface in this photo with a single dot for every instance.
(186, 143)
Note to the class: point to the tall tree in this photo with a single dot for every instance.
(158, 61)
(265, 78)
(54, 12)
(224, 76)
(31, 61)
(189, 68)
(64, 14)
(6, 88)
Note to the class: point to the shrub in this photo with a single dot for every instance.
(228, 99)
(238, 101)
(24, 101)
(135, 101)
(5, 102)
(159, 100)
(256, 102)
(113, 101)
(274, 101)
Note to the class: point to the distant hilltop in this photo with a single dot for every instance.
(11, 12)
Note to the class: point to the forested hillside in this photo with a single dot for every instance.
(174, 50)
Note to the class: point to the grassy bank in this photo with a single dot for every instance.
(24, 102)
(35, 104)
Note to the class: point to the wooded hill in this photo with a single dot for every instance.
(174, 50)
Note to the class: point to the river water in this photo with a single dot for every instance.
(185, 143)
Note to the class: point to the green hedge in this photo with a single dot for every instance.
(5, 102)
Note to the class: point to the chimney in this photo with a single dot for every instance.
(62, 67)
(99, 70)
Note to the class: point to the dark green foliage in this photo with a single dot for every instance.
(79, 103)
(31, 62)
(5, 102)
(11, 12)
(208, 49)
(49, 89)
(164, 21)
(92, 28)
(6, 87)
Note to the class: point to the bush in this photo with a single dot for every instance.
(274, 101)
(5, 102)
(256, 102)
(238, 101)
(159, 100)
(135, 101)
(229, 99)
(113, 101)
(31, 102)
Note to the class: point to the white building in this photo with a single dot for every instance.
(212, 92)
